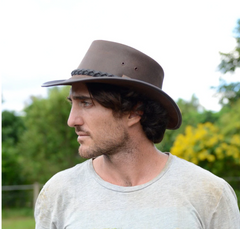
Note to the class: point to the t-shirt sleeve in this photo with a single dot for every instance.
(44, 207)
(226, 214)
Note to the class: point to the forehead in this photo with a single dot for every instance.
(78, 88)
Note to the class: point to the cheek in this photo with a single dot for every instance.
(106, 127)
(104, 124)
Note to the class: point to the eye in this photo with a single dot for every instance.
(69, 101)
(86, 103)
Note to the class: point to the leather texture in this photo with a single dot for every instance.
(118, 64)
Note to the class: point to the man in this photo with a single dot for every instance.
(119, 111)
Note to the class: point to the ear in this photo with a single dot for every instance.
(134, 117)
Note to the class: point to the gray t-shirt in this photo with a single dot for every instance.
(182, 196)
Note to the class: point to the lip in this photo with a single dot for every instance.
(81, 133)
(81, 136)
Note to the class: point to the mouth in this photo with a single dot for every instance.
(81, 137)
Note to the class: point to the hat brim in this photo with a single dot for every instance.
(149, 90)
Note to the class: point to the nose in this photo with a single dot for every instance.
(74, 118)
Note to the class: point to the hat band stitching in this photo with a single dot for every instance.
(93, 73)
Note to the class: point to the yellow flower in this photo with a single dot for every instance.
(224, 146)
(194, 160)
(219, 153)
(211, 158)
(212, 141)
(235, 140)
(202, 155)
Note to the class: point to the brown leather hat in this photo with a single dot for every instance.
(118, 64)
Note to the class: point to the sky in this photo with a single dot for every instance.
(44, 40)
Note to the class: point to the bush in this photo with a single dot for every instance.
(208, 148)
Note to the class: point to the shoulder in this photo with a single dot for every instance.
(56, 191)
(193, 179)
(66, 178)
(194, 172)
(212, 196)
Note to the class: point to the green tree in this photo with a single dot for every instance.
(192, 114)
(48, 145)
(12, 128)
(229, 121)
(231, 61)
(230, 93)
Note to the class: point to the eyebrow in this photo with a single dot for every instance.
(78, 97)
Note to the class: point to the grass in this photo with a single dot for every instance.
(19, 223)
(17, 218)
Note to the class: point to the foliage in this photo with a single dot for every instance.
(48, 145)
(213, 146)
(229, 122)
(231, 61)
(206, 146)
(12, 128)
(230, 93)
(192, 114)
(214, 143)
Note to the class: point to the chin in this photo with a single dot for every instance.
(86, 153)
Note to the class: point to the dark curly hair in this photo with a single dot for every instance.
(154, 119)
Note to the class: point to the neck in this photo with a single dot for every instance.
(136, 166)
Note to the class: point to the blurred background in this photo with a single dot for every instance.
(196, 42)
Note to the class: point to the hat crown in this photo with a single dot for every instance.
(121, 60)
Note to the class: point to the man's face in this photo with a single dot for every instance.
(99, 132)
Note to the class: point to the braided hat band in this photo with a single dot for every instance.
(88, 72)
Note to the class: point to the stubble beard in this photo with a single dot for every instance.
(107, 147)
